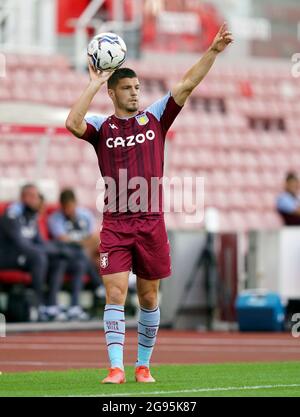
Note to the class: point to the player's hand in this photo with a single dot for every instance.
(222, 39)
(100, 77)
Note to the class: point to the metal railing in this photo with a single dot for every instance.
(87, 20)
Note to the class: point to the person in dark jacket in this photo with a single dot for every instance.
(22, 247)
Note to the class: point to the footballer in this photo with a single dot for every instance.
(130, 144)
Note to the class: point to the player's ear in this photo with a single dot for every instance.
(111, 93)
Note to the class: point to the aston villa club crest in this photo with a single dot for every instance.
(104, 260)
(142, 119)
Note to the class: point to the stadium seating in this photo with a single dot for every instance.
(240, 132)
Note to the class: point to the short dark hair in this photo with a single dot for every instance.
(25, 187)
(67, 196)
(118, 75)
(291, 176)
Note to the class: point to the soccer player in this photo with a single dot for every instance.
(130, 146)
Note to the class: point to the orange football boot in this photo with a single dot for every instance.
(142, 374)
(115, 376)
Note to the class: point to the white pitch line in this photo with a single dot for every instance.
(198, 390)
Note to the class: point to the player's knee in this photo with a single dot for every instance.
(149, 300)
(115, 296)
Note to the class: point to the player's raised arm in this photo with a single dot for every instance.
(75, 122)
(196, 74)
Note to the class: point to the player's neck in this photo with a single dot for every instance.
(122, 114)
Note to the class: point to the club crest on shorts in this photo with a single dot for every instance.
(103, 260)
(142, 119)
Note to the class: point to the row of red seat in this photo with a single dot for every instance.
(256, 71)
(229, 221)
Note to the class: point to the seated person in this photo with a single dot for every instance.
(76, 226)
(288, 202)
(22, 247)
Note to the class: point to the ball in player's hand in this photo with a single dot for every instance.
(107, 51)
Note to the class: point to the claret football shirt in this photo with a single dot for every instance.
(130, 154)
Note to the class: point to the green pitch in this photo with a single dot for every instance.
(241, 379)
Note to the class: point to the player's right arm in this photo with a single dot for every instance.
(75, 122)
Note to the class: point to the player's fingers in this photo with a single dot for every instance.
(223, 28)
(107, 74)
(110, 72)
(91, 67)
(91, 72)
(89, 60)
(228, 39)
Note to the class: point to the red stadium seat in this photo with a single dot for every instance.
(232, 221)
(237, 200)
(254, 220)
(268, 200)
(5, 93)
(252, 180)
(3, 207)
(87, 175)
(220, 200)
(14, 277)
(55, 154)
(5, 153)
(66, 174)
(273, 220)
(219, 179)
(253, 200)
(236, 179)
(72, 153)
(14, 171)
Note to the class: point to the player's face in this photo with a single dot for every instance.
(126, 95)
(31, 198)
(69, 209)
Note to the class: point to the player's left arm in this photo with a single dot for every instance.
(196, 74)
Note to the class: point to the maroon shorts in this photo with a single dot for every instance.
(137, 244)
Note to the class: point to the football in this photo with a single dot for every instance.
(107, 51)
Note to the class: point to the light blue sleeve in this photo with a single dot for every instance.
(96, 121)
(287, 204)
(15, 210)
(56, 225)
(158, 108)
